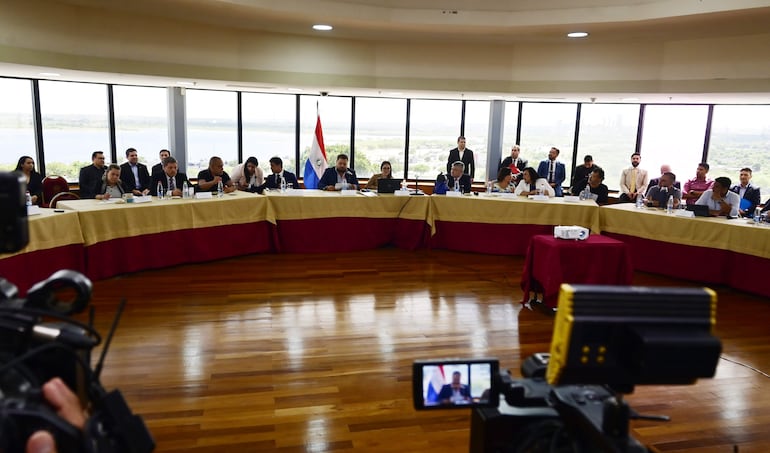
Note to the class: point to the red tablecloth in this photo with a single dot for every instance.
(549, 262)
(26, 269)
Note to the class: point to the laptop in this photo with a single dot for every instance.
(699, 210)
(388, 185)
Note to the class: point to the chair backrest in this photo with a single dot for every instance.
(53, 185)
(63, 196)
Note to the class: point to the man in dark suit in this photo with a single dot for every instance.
(747, 192)
(135, 177)
(157, 169)
(273, 180)
(170, 178)
(581, 173)
(456, 392)
(554, 172)
(338, 177)
(515, 163)
(665, 168)
(464, 155)
(91, 175)
(456, 174)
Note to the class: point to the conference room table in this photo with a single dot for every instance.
(712, 250)
(128, 237)
(55, 242)
(503, 224)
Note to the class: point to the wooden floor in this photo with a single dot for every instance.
(313, 353)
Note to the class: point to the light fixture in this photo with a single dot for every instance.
(186, 84)
(577, 34)
(296, 90)
(322, 27)
(49, 74)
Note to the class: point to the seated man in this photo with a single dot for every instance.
(748, 193)
(456, 175)
(273, 180)
(339, 177)
(599, 190)
(581, 174)
(720, 200)
(157, 169)
(91, 176)
(135, 177)
(658, 195)
(663, 169)
(209, 179)
(456, 392)
(170, 179)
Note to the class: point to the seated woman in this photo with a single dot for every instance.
(248, 174)
(110, 186)
(531, 184)
(503, 183)
(26, 167)
(385, 173)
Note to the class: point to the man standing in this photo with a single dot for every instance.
(748, 193)
(554, 172)
(720, 200)
(170, 178)
(339, 177)
(464, 155)
(135, 177)
(633, 180)
(157, 169)
(581, 173)
(273, 181)
(695, 187)
(515, 163)
(91, 175)
(209, 178)
(658, 194)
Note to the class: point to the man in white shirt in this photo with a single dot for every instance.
(720, 200)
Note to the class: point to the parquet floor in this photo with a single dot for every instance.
(313, 353)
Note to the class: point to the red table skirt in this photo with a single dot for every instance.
(701, 264)
(489, 238)
(152, 251)
(549, 262)
(26, 269)
(348, 234)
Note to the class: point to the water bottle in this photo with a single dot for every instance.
(757, 215)
(670, 205)
(29, 199)
(283, 185)
(185, 190)
(457, 185)
(489, 188)
(639, 200)
(404, 185)
(160, 191)
(220, 189)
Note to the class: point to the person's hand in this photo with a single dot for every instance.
(66, 405)
(229, 189)
(34, 199)
(145, 192)
(176, 193)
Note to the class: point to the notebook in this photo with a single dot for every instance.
(388, 185)
(699, 210)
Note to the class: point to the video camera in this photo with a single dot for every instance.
(606, 340)
(39, 341)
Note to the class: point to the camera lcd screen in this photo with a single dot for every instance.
(455, 384)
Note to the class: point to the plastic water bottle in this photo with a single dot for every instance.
(670, 205)
(757, 215)
(160, 191)
(457, 185)
(283, 185)
(29, 199)
(220, 189)
(489, 188)
(639, 200)
(185, 190)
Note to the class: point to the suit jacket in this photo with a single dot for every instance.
(641, 181)
(752, 195)
(521, 165)
(273, 182)
(329, 178)
(580, 176)
(90, 177)
(559, 174)
(156, 170)
(161, 178)
(465, 183)
(129, 182)
(446, 392)
(468, 160)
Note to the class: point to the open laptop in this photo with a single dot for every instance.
(388, 185)
(699, 210)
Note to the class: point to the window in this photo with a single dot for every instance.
(433, 130)
(608, 134)
(141, 121)
(75, 125)
(673, 135)
(212, 129)
(380, 129)
(476, 137)
(16, 123)
(269, 122)
(335, 123)
(740, 137)
(510, 128)
(548, 125)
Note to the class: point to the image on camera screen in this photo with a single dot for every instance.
(456, 384)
